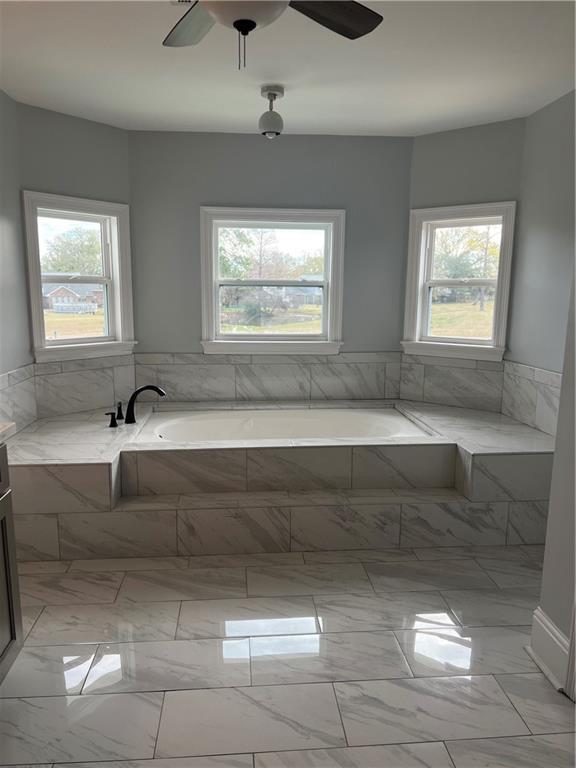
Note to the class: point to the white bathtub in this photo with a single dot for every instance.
(277, 424)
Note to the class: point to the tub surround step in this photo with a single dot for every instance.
(261, 499)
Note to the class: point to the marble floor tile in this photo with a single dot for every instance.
(469, 552)
(478, 651)
(543, 708)
(258, 719)
(392, 756)
(173, 665)
(326, 658)
(555, 751)
(243, 561)
(69, 589)
(120, 622)
(512, 573)
(130, 564)
(307, 579)
(196, 584)
(57, 670)
(493, 607)
(432, 709)
(433, 575)
(44, 566)
(68, 728)
(29, 616)
(252, 616)
(358, 556)
(218, 761)
(398, 610)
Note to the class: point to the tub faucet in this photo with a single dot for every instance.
(132, 402)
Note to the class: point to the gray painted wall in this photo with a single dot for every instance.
(544, 254)
(15, 345)
(471, 165)
(173, 174)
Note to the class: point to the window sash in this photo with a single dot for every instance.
(323, 336)
(109, 316)
(426, 306)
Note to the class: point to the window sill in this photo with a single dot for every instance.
(463, 351)
(271, 347)
(83, 351)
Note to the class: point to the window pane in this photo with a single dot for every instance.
(465, 312)
(278, 253)
(467, 251)
(270, 310)
(74, 310)
(69, 246)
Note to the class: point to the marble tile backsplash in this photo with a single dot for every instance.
(527, 394)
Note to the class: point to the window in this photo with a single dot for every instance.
(80, 276)
(272, 280)
(458, 281)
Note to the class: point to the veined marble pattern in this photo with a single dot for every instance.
(453, 523)
(67, 728)
(196, 382)
(403, 466)
(227, 531)
(193, 584)
(493, 607)
(118, 534)
(412, 381)
(18, 402)
(532, 396)
(249, 719)
(527, 522)
(345, 527)
(348, 380)
(512, 573)
(57, 488)
(429, 575)
(74, 391)
(272, 382)
(182, 664)
(543, 708)
(37, 537)
(455, 651)
(119, 622)
(305, 469)
(50, 671)
(253, 616)
(463, 387)
(398, 610)
(69, 589)
(190, 472)
(227, 761)
(30, 614)
(514, 477)
(358, 556)
(556, 751)
(307, 580)
(393, 756)
(398, 711)
(324, 658)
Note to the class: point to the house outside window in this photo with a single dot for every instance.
(79, 276)
(458, 281)
(272, 280)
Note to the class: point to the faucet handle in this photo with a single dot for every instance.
(113, 422)
(119, 412)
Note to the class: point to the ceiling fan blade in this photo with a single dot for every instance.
(350, 19)
(192, 27)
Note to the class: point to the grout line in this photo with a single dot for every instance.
(159, 724)
(530, 732)
(339, 713)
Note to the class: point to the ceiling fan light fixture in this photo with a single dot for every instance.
(271, 123)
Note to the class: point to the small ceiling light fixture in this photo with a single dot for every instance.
(271, 123)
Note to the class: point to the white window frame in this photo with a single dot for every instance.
(423, 221)
(117, 276)
(329, 341)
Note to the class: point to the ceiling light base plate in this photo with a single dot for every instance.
(276, 91)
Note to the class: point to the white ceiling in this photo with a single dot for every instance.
(429, 66)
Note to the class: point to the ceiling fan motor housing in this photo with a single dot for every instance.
(261, 13)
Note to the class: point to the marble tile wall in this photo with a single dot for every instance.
(531, 395)
(18, 397)
(339, 530)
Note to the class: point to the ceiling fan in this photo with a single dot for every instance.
(349, 19)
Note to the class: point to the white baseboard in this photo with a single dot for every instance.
(549, 648)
